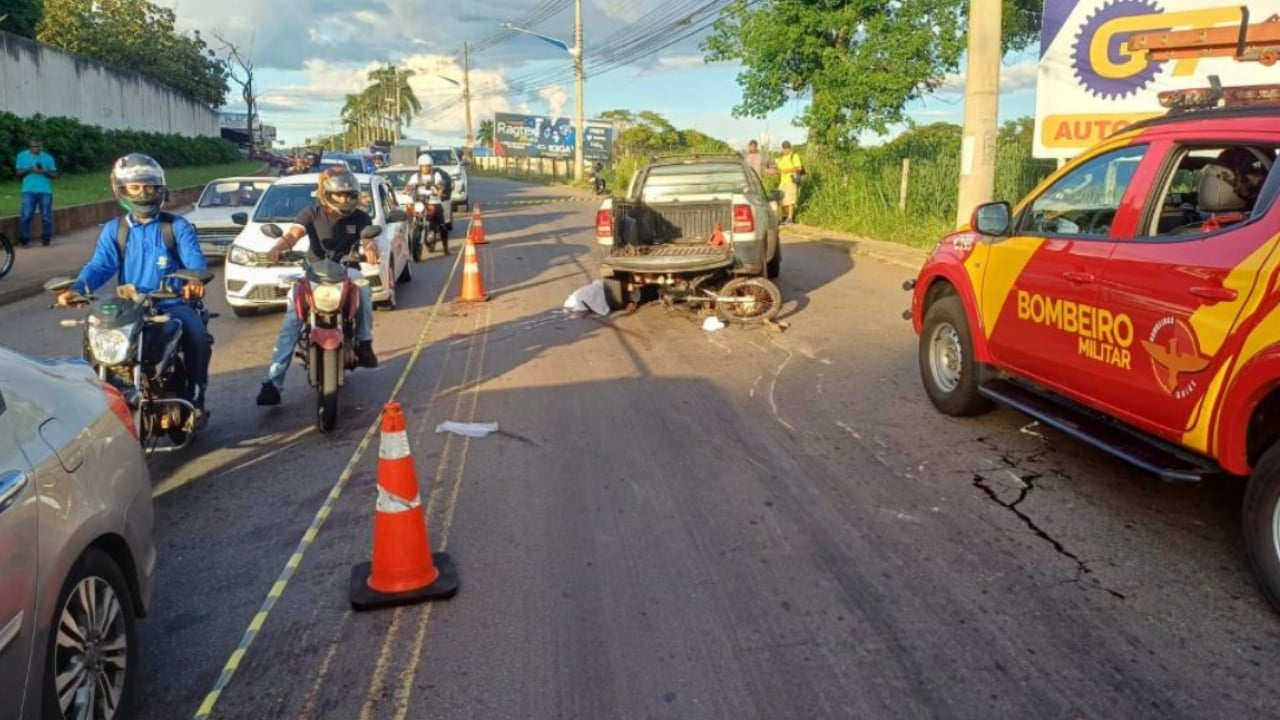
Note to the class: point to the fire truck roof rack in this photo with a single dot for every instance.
(1247, 43)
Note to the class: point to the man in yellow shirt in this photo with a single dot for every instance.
(789, 166)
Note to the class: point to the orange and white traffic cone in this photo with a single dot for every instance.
(403, 571)
(472, 286)
(475, 228)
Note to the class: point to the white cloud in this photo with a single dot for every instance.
(682, 61)
(556, 97)
(1021, 75)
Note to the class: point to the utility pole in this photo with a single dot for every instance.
(580, 127)
(466, 94)
(981, 108)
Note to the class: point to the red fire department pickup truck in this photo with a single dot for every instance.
(1132, 301)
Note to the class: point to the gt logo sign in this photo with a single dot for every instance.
(1103, 336)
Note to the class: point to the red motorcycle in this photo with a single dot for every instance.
(326, 300)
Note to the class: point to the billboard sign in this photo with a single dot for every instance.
(1092, 85)
(540, 136)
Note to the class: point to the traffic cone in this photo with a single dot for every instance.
(403, 571)
(475, 228)
(472, 286)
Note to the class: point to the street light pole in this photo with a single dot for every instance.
(981, 108)
(466, 94)
(580, 125)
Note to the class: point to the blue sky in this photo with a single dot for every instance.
(305, 69)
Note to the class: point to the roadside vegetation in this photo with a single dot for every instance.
(92, 187)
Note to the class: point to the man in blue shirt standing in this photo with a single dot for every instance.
(139, 185)
(36, 168)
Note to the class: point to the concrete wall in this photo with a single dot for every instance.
(36, 79)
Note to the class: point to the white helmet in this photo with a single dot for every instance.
(424, 160)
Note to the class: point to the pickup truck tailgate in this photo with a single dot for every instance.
(676, 223)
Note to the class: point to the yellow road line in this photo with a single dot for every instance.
(233, 663)
(378, 682)
(322, 674)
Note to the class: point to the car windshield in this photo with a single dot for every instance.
(283, 203)
(442, 157)
(667, 181)
(233, 193)
(398, 178)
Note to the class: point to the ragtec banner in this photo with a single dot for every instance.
(540, 136)
(1092, 84)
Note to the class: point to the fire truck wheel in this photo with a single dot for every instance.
(947, 365)
(1261, 524)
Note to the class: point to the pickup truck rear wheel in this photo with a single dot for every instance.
(774, 267)
(1261, 523)
(947, 365)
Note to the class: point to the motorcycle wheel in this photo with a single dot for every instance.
(431, 236)
(758, 300)
(327, 393)
(415, 247)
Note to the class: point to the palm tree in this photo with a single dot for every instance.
(393, 96)
(486, 133)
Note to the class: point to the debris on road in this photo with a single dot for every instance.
(471, 430)
(712, 324)
(588, 298)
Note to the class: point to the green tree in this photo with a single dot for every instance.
(20, 17)
(860, 62)
(136, 35)
(386, 83)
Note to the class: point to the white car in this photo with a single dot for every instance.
(253, 283)
(212, 213)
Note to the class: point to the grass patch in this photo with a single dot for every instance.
(516, 175)
(88, 188)
(858, 193)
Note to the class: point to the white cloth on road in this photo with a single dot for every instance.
(588, 297)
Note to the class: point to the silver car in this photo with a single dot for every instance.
(221, 199)
(76, 551)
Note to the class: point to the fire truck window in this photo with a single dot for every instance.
(1211, 188)
(1085, 200)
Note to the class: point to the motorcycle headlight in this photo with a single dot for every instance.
(419, 206)
(109, 346)
(327, 298)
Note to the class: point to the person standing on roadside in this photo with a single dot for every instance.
(792, 170)
(36, 168)
(754, 158)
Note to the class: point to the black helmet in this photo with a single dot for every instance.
(338, 191)
(139, 185)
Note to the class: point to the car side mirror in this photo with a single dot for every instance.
(240, 218)
(371, 232)
(397, 215)
(272, 230)
(992, 219)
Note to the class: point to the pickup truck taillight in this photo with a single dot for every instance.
(744, 221)
(604, 223)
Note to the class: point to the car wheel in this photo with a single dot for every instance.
(615, 294)
(1261, 516)
(774, 268)
(406, 274)
(947, 365)
(92, 644)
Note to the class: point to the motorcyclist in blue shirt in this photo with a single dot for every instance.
(139, 185)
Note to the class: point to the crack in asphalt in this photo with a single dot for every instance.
(1028, 480)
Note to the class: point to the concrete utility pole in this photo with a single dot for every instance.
(580, 124)
(466, 93)
(981, 108)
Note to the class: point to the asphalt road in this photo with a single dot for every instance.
(673, 523)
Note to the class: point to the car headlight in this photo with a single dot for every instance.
(110, 346)
(240, 256)
(327, 298)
